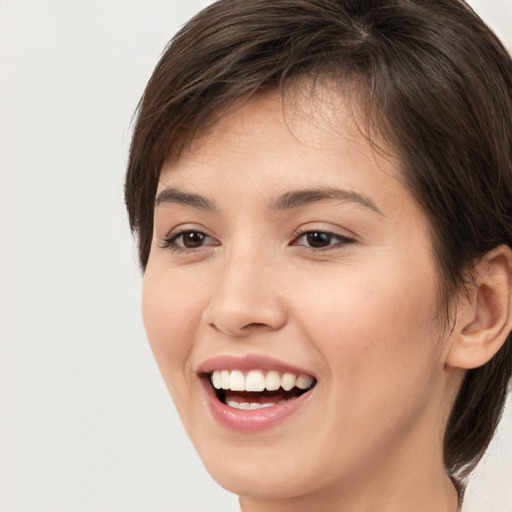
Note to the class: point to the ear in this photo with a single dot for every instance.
(484, 315)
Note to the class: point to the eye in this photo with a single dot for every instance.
(321, 239)
(188, 240)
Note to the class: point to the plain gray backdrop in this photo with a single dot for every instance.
(86, 422)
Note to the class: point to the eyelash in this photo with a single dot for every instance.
(341, 240)
(170, 242)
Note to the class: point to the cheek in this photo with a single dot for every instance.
(171, 311)
(368, 303)
(376, 332)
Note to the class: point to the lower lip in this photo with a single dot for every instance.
(253, 420)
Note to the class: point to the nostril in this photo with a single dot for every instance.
(255, 325)
(240, 329)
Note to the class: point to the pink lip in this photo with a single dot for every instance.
(250, 420)
(248, 362)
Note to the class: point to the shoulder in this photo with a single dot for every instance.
(475, 503)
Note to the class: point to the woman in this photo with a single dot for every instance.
(322, 192)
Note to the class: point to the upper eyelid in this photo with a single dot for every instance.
(339, 241)
(178, 232)
(173, 235)
(185, 228)
(336, 236)
(304, 231)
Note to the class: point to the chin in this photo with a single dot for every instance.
(262, 481)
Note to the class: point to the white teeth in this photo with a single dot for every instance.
(224, 378)
(246, 405)
(272, 381)
(216, 380)
(257, 381)
(304, 382)
(255, 405)
(237, 381)
(288, 381)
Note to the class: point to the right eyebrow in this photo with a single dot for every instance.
(173, 195)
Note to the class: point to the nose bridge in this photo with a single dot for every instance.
(246, 296)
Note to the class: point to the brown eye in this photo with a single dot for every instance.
(318, 239)
(321, 240)
(188, 240)
(193, 239)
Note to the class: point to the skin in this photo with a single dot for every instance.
(362, 316)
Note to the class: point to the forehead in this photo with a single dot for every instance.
(308, 125)
(306, 107)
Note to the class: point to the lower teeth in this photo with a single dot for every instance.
(253, 405)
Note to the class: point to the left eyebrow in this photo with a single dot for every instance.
(297, 198)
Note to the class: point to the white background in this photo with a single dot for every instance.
(86, 422)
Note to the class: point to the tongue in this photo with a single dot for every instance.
(264, 397)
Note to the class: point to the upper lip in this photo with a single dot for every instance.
(249, 362)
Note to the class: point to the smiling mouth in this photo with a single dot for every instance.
(257, 389)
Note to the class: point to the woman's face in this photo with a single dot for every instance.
(283, 244)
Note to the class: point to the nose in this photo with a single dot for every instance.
(246, 297)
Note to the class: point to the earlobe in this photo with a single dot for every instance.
(484, 315)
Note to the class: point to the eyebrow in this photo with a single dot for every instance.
(289, 200)
(299, 198)
(173, 195)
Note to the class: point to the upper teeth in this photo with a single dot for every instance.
(257, 380)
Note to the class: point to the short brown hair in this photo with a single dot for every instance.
(437, 87)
